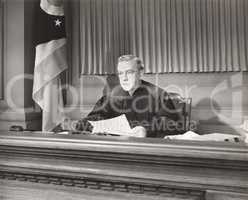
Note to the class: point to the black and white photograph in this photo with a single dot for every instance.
(124, 99)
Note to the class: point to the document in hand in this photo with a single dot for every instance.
(117, 126)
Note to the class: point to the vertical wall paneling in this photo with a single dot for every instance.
(17, 106)
(1, 51)
(245, 8)
(241, 31)
(168, 35)
(75, 36)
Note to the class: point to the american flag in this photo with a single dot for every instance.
(50, 62)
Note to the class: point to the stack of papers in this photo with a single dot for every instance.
(190, 135)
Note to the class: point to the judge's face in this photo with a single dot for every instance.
(129, 75)
(56, 2)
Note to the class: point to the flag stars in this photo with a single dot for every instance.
(57, 22)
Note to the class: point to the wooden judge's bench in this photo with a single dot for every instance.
(47, 166)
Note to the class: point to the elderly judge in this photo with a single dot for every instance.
(148, 108)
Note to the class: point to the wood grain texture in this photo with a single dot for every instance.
(26, 190)
(120, 164)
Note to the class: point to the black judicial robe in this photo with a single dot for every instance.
(149, 106)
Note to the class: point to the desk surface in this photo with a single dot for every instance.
(111, 161)
(129, 144)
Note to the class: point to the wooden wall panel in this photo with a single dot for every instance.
(169, 36)
(1, 49)
(16, 106)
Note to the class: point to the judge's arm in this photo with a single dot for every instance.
(100, 111)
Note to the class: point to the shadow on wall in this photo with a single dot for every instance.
(210, 118)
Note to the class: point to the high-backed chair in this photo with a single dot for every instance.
(183, 105)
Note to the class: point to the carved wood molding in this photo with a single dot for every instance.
(132, 162)
(106, 185)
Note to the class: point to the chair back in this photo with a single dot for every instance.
(183, 105)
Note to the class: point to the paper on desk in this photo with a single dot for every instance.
(117, 126)
(190, 135)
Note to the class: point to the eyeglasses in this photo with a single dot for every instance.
(127, 73)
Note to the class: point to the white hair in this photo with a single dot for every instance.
(126, 58)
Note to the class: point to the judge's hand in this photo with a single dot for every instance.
(83, 125)
(139, 131)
